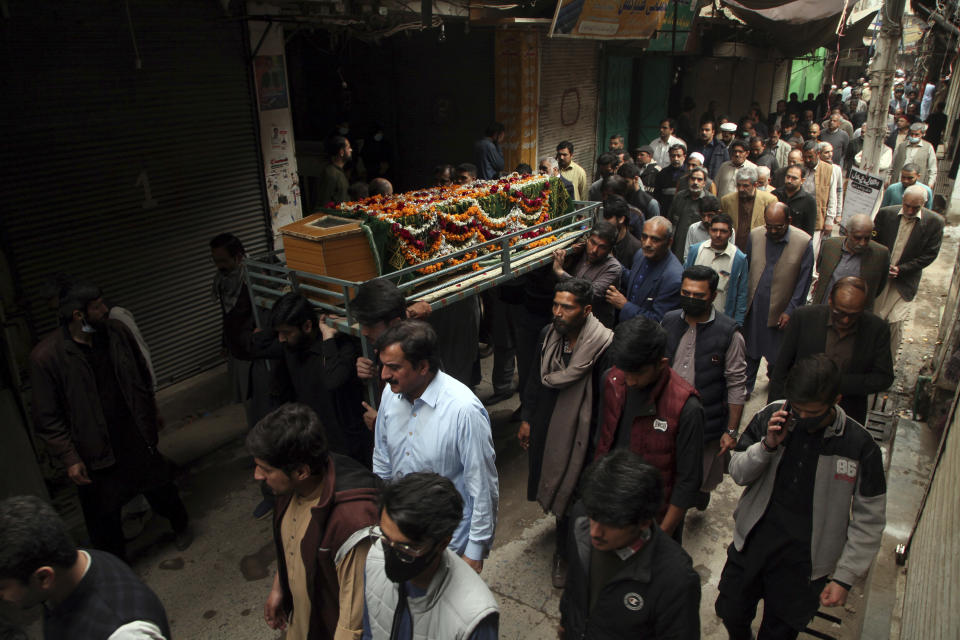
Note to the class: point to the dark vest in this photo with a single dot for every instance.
(109, 596)
(713, 340)
(658, 446)
(348, 503)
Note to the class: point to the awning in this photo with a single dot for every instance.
(794, 27)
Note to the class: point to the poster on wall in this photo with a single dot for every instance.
(864, 191)
(607, 19)
(271, 82)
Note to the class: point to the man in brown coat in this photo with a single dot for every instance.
(746, 205)
(94, 407)
(325, 506)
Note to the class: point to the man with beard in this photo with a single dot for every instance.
(726, 180)
(665, 184)
(429, 420)
(819, 182)
(803, 206)
(325, 505)
(616, 211)
(855, 339)
(653, 283)
(699, 339)
(571, 170)
(781, 264)
(746, 206)
(856, 254)
(249, 376)
(685, 209)
(646, 407)
(606, 167)
(637, 196)
(317, 368)
(333, 186)
(761, 156)
(558, 406)
(94, 407)
(413, 581)
(714, 151)
(594, 262)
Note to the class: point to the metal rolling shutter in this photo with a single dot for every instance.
(122, 175)
(569, 78)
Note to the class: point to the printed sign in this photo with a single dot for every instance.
(864, 191)
(607, 19)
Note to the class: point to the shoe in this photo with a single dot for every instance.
(485, 350)
(264, 509)
(559, 572)
(183, 539)
(499, 396)
(703, 499)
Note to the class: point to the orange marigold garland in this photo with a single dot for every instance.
(430, 223)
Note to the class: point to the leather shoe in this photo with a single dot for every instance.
(183, 539)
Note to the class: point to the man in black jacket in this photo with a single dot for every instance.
(803, 206)
(854, 338)
(913, 234)
(86, 594)
(317, 368)
(93, 405)
(627, 579)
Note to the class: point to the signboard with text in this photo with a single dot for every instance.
(608, 19)
(864, 191)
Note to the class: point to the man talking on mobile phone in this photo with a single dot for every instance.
(797, 543)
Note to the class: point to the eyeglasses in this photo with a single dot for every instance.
(406, 552)
(843, 315)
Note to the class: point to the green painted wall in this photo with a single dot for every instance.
(806, 76)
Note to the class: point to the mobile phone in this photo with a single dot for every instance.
(789, 420)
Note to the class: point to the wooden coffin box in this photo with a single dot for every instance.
(328, 245)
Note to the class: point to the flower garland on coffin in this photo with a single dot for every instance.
(440, 221)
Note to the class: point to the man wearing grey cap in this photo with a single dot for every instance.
(648, 167)
(918, 151)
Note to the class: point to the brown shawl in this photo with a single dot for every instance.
(569, 430)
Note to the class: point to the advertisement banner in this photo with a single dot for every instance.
(864, 191)
(665, 40)
(608, 19)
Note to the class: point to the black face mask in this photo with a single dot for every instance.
(694, 306)
(399, 571)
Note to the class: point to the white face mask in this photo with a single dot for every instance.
(913, 140)
(86, 328)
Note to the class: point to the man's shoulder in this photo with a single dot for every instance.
(767, 197)
(874, 247)
(466, 590)
(729, 199)
(885, 214)
(833, 244)
(810, 313)
(933, 219)
(48, 347)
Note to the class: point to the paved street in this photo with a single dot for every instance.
(216, 589)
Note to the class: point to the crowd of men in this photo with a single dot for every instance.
(636, 350)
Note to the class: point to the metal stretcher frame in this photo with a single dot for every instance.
(268, 277)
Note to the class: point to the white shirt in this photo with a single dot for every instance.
(721, 262)
(661, 149)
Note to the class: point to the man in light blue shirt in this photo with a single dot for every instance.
(428, 421)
